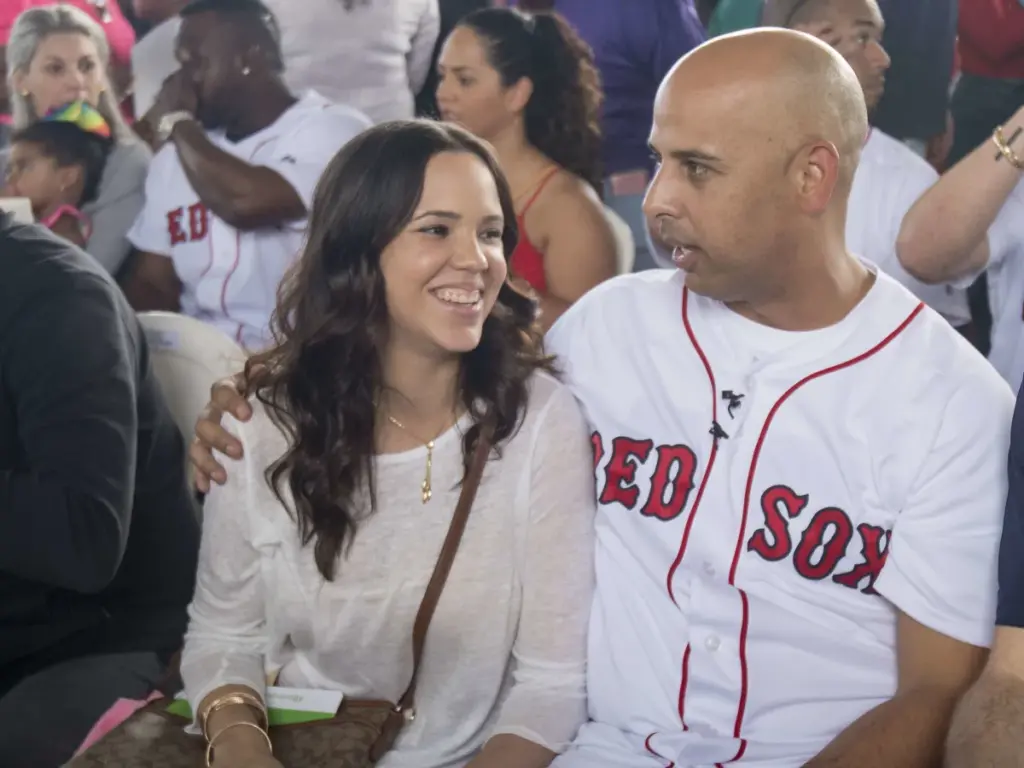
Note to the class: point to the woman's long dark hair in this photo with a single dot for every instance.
(563, 114)
(322, 378)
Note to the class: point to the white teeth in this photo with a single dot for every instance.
(458, 296)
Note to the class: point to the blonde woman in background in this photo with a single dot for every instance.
(57, 55)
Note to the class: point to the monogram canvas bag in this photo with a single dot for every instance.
(359, 735)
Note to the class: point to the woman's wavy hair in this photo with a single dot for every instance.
(563, 115)
(30, 29)
(321, 380)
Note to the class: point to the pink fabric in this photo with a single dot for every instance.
(117, 714)
(120, 35)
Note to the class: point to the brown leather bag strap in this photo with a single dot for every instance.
(444, 563)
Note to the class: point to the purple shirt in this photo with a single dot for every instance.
(635, 44)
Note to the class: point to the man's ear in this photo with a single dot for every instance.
(814, 172)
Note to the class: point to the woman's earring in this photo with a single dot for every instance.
(246, 71)
(24, 94)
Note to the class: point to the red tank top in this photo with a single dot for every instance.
(527, 262)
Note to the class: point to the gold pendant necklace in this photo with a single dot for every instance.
(425, 491)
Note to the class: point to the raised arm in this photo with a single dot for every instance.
(245, 196)
(66, 512)
(547, 703)
(944, 235)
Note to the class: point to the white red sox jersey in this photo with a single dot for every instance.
(1006, 288)
(889, 180)
(767, 500)
(230, 277)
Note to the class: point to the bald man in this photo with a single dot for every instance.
(800, 471)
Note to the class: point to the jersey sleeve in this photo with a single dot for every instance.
(893, 200)
(150, 231)
(302, 159)
(941, 564)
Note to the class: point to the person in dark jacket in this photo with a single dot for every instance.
(98, 534)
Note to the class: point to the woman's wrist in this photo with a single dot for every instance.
(237, 743)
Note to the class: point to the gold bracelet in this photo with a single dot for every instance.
(226, 728)
(1005, 150)
(230, 700)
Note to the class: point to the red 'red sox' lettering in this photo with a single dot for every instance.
(671, 484)
(775, 524)
(684, 461)
(620, 472)
(196, 217)
(823, 544)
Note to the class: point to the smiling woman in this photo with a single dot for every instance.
(399, 344)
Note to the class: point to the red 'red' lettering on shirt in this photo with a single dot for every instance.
(683, 459)
(198, 222)
(174, 226)
(598, 448)
(620, 472)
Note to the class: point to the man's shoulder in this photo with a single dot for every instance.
(933, 358)
(314, 112)
(38, 268)
(652, 285)
(624, 296)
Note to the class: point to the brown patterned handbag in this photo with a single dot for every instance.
(359, 735)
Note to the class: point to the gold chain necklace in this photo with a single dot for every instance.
(425, 491)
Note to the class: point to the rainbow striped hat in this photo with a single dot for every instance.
(81, 114)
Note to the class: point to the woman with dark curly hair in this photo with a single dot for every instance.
(527, 84)
(398, 339)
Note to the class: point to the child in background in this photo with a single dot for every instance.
(57, 163)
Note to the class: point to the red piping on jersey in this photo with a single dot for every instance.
(209, 242)
(647, 746)
(746, 507)
(238, 257)
(227, 279)
(684, 674)
(711, 457)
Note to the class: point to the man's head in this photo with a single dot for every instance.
(758, 136)
(852, 27)
(156, 11)
(231, 48)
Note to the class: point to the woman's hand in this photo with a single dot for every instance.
(225, 397)
(246, 761)
(242, 748)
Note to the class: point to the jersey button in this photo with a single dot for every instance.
(712, 643)
(709, 569)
